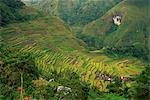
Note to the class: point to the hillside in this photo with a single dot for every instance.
(75, 12)
(49, 32)
(131, 34)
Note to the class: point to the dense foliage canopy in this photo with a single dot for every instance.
(9, 10)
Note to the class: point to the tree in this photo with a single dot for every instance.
(9, 10)
(13, 64)
(143, 87)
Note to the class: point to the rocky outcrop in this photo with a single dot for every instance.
(117, 20)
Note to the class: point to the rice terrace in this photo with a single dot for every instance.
(74, 50)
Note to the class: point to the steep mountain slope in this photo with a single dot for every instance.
(80, 12)
(75, 11)
(133, 33)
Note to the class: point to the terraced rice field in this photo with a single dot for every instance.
(94, 73)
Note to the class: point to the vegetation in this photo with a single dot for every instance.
(84, 11)
(128, 38)
(75, 12)
(139, 89)
(93, 42)
(42, 58)
(9, 11)
(16, 11)
(13, 65)
(139, 52)
(142, 88)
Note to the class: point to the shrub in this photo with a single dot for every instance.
(13, 64)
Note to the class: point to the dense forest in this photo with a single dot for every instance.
(9, 11)
(72, 50)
